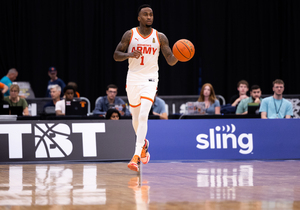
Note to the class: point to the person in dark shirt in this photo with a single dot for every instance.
(54, 80)
(55, 92)
(243, 88)
(4, 105)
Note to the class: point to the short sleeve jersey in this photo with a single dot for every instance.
(145, 68)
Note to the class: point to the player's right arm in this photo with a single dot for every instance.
(120, 53)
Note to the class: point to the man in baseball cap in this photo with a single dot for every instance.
(54, 80)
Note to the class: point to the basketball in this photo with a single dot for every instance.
(183, 50)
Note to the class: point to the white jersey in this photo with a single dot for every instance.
(144, 69)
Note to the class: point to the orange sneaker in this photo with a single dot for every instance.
(134, 164)
(145, 155)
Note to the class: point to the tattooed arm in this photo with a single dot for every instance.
(166, 50)
(120, 53)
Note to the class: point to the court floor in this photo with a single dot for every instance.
(161, 185)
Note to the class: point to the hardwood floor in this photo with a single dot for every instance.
(161, 185)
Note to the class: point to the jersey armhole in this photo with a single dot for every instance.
(131, 36)
(157, 38)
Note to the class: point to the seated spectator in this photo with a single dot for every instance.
(75, 87)
(60, 106)
(159, 108)
(276, 106)
(243, 88)
(112, 114)
(15, 100)
(208, 96)
(3, 87)
(4, 105)
(111, 101)
(55, 91)
(255, 97)
(54, 80)
(9, 78)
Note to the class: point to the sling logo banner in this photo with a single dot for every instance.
(51, 140)
(230, 139)
(220, 136)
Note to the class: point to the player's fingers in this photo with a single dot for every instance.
(138, 53)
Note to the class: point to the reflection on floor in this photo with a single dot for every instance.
(161, 185)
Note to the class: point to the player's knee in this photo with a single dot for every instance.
(135, 119)
(143, 117)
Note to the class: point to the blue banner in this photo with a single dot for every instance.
(224, 139)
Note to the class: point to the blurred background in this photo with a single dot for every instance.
(255, 40)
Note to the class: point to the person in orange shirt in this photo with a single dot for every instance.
(75, 87)
(3, 87)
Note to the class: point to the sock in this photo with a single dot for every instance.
(142, 125)
(135, 117)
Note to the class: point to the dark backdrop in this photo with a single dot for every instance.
(255, 40)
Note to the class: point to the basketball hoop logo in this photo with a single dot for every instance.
(51, 140)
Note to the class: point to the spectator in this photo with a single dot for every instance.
(111, 101)
(75, 87)
(276, 106)
(9, 78)
(60, 106)
(4, 105)
(159, 108)
(15, 100)
(55, 91)
(255, 97)
(3, 87)
(112, 114)
(54, 80)
(243, 88)
(207, 95)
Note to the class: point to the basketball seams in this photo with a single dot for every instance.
(180, 52)
(183, 50)
(187, 47)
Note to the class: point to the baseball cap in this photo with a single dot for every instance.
(52, 69)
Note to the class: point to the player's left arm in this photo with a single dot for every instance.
(166, 50)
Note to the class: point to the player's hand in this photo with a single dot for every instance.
(136, 54)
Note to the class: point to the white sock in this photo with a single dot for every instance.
(135, 117)
(142, 127)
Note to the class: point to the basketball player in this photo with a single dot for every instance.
(141, 46)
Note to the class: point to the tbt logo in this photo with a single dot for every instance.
(51, 140)
(218, 138)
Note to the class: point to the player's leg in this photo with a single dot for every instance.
(140, 134)
(134, 99)
(135, 111)
(133, 95)
(147, 96)
(142, 125)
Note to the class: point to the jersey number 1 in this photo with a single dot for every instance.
(142, 60)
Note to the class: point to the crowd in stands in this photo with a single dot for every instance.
(113, 107)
